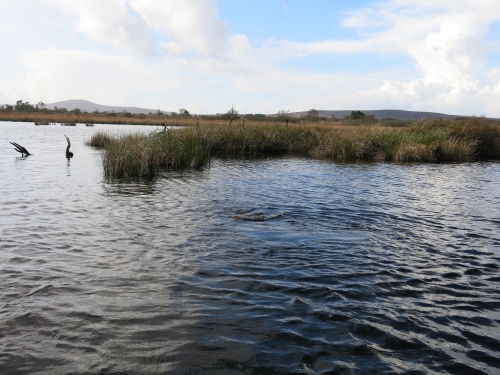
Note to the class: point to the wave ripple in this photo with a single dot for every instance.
(280, 265)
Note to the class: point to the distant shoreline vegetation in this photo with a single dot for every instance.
(143, 155)
(40, 115)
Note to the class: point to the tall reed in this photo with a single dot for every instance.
(139, 155)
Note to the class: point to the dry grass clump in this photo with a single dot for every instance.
(348, 143)
(137, 155)
(82, 118)
(434, 141)
(140, 155)
(484, 135)
(100, 139)
(260, 139)
(156, 120)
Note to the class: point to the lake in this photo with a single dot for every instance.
(249, 266)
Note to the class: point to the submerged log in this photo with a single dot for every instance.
(20, 149)
(69, 154)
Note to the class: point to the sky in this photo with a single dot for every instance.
(260, 56)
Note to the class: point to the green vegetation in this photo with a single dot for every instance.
(356, 115)
(182, 112)
(284, 116)
(358, 118)
(312, 115)
(231, 115)
(139, 155)
(21, 106)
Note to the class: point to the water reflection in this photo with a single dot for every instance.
(262, 265)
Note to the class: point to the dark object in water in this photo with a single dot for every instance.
(20, 149)
(69, 154)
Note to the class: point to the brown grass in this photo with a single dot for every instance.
(82, 118)
(139, 155)
(154, 120)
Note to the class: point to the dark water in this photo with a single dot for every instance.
(270, 266)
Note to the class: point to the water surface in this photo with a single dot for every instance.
(265, 266)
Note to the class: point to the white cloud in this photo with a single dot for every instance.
(107, 21)
(446, 41)
(71, 74)
(198, 64)
(185, 26)
(51, 22)
(190, 25)
(3, 98)
(270, 106)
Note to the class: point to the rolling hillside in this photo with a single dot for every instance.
(87, 106)
(385, 113)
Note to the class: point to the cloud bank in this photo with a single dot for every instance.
(151, 53)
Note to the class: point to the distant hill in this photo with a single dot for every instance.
(85, 105)
(88, 106)
(385, 113)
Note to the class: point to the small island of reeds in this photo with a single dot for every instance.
(144, 155)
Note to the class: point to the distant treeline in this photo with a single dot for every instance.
(232, 114)
(40, 114)
(27, 107)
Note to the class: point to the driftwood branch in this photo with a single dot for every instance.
(69, 154)
(20, 149)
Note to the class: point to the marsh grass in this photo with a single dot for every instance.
(139, 155)
(100, 139)
(155, 120)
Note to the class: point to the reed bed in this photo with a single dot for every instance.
(85, 118)
(152, 120)
(139, 155)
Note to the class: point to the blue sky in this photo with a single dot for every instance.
(302, 21)
(261, 56)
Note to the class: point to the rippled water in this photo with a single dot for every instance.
(267, 266)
